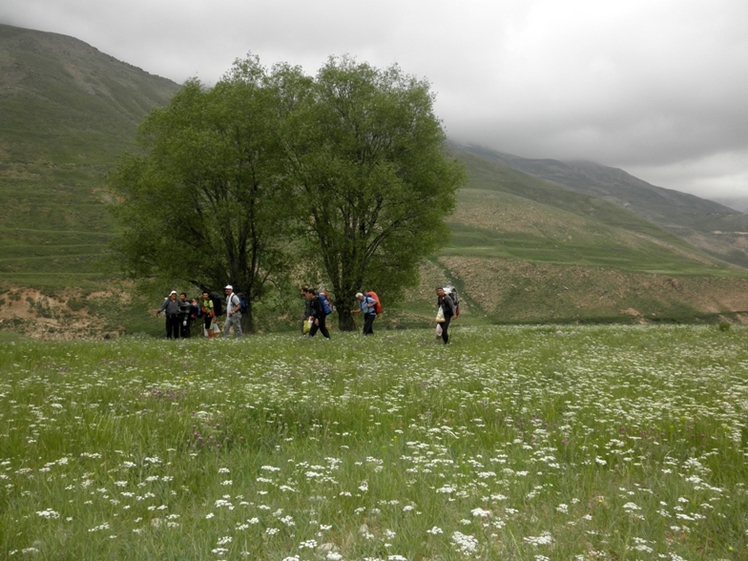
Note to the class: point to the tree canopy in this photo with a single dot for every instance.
(206, 201)
(349, 165)
(373, 171)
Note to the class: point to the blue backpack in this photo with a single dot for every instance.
(325, 304)
(242, 302)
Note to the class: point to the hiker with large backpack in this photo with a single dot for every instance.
(320, 308)
(447, 309)
(233, 312)
(369, 306)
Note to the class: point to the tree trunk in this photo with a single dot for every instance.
(248, 322)
(346, 321)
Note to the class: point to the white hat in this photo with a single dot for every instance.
(228, 287)
(359, 295)
(172, 292)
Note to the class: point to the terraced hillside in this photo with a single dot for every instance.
(67, 111)
(526, 250)
(713, 227)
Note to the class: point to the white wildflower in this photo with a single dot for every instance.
(465, 544)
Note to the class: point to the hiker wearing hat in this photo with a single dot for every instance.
(233, 312)
(171, 308)
(368, 307)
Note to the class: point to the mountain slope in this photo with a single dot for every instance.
(523, 249)
(506, 213)
(67, 111)
(708, 225)
(63, 100)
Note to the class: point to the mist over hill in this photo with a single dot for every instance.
(532, 240)
(736, 203)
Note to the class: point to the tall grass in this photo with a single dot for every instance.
(510, 443)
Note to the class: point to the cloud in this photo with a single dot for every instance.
(655, 86)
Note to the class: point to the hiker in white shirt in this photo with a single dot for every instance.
(233, 312)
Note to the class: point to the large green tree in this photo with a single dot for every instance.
(206, 201)
(350, 164)
(367, 157)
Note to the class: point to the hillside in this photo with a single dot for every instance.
(505, 213)
(708, 225)
(527, 250)
(67, 111)
(524, 248)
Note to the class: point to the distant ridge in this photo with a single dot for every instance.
(708, 225)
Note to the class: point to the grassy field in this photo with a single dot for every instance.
(584, 443)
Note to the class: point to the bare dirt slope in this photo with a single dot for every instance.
(55, 317)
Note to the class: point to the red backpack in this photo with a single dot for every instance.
(377, 303)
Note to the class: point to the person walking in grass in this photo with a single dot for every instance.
(171, 308)
(447, 306)
(368, 307)
(307, 312)
(318, 315)
(233, 313)
(186, 315)
(208, 313)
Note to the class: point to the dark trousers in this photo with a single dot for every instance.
(445, 327)
(369, 323)
(172, 326)
(321, 327)
(185, 325)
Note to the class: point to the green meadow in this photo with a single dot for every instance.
(522, 443)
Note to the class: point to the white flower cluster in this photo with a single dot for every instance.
(465, 544)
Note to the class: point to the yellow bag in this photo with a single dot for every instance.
(307, 326)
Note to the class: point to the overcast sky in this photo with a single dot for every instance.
(656, 87)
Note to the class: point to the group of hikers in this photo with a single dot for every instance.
(181, 312)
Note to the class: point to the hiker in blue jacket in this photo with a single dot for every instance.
(368, 307)
(318, 315)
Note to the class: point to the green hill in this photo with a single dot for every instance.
(67, 111)
(548, 242)
(708, 225)
(506, 213)
(523, 249)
